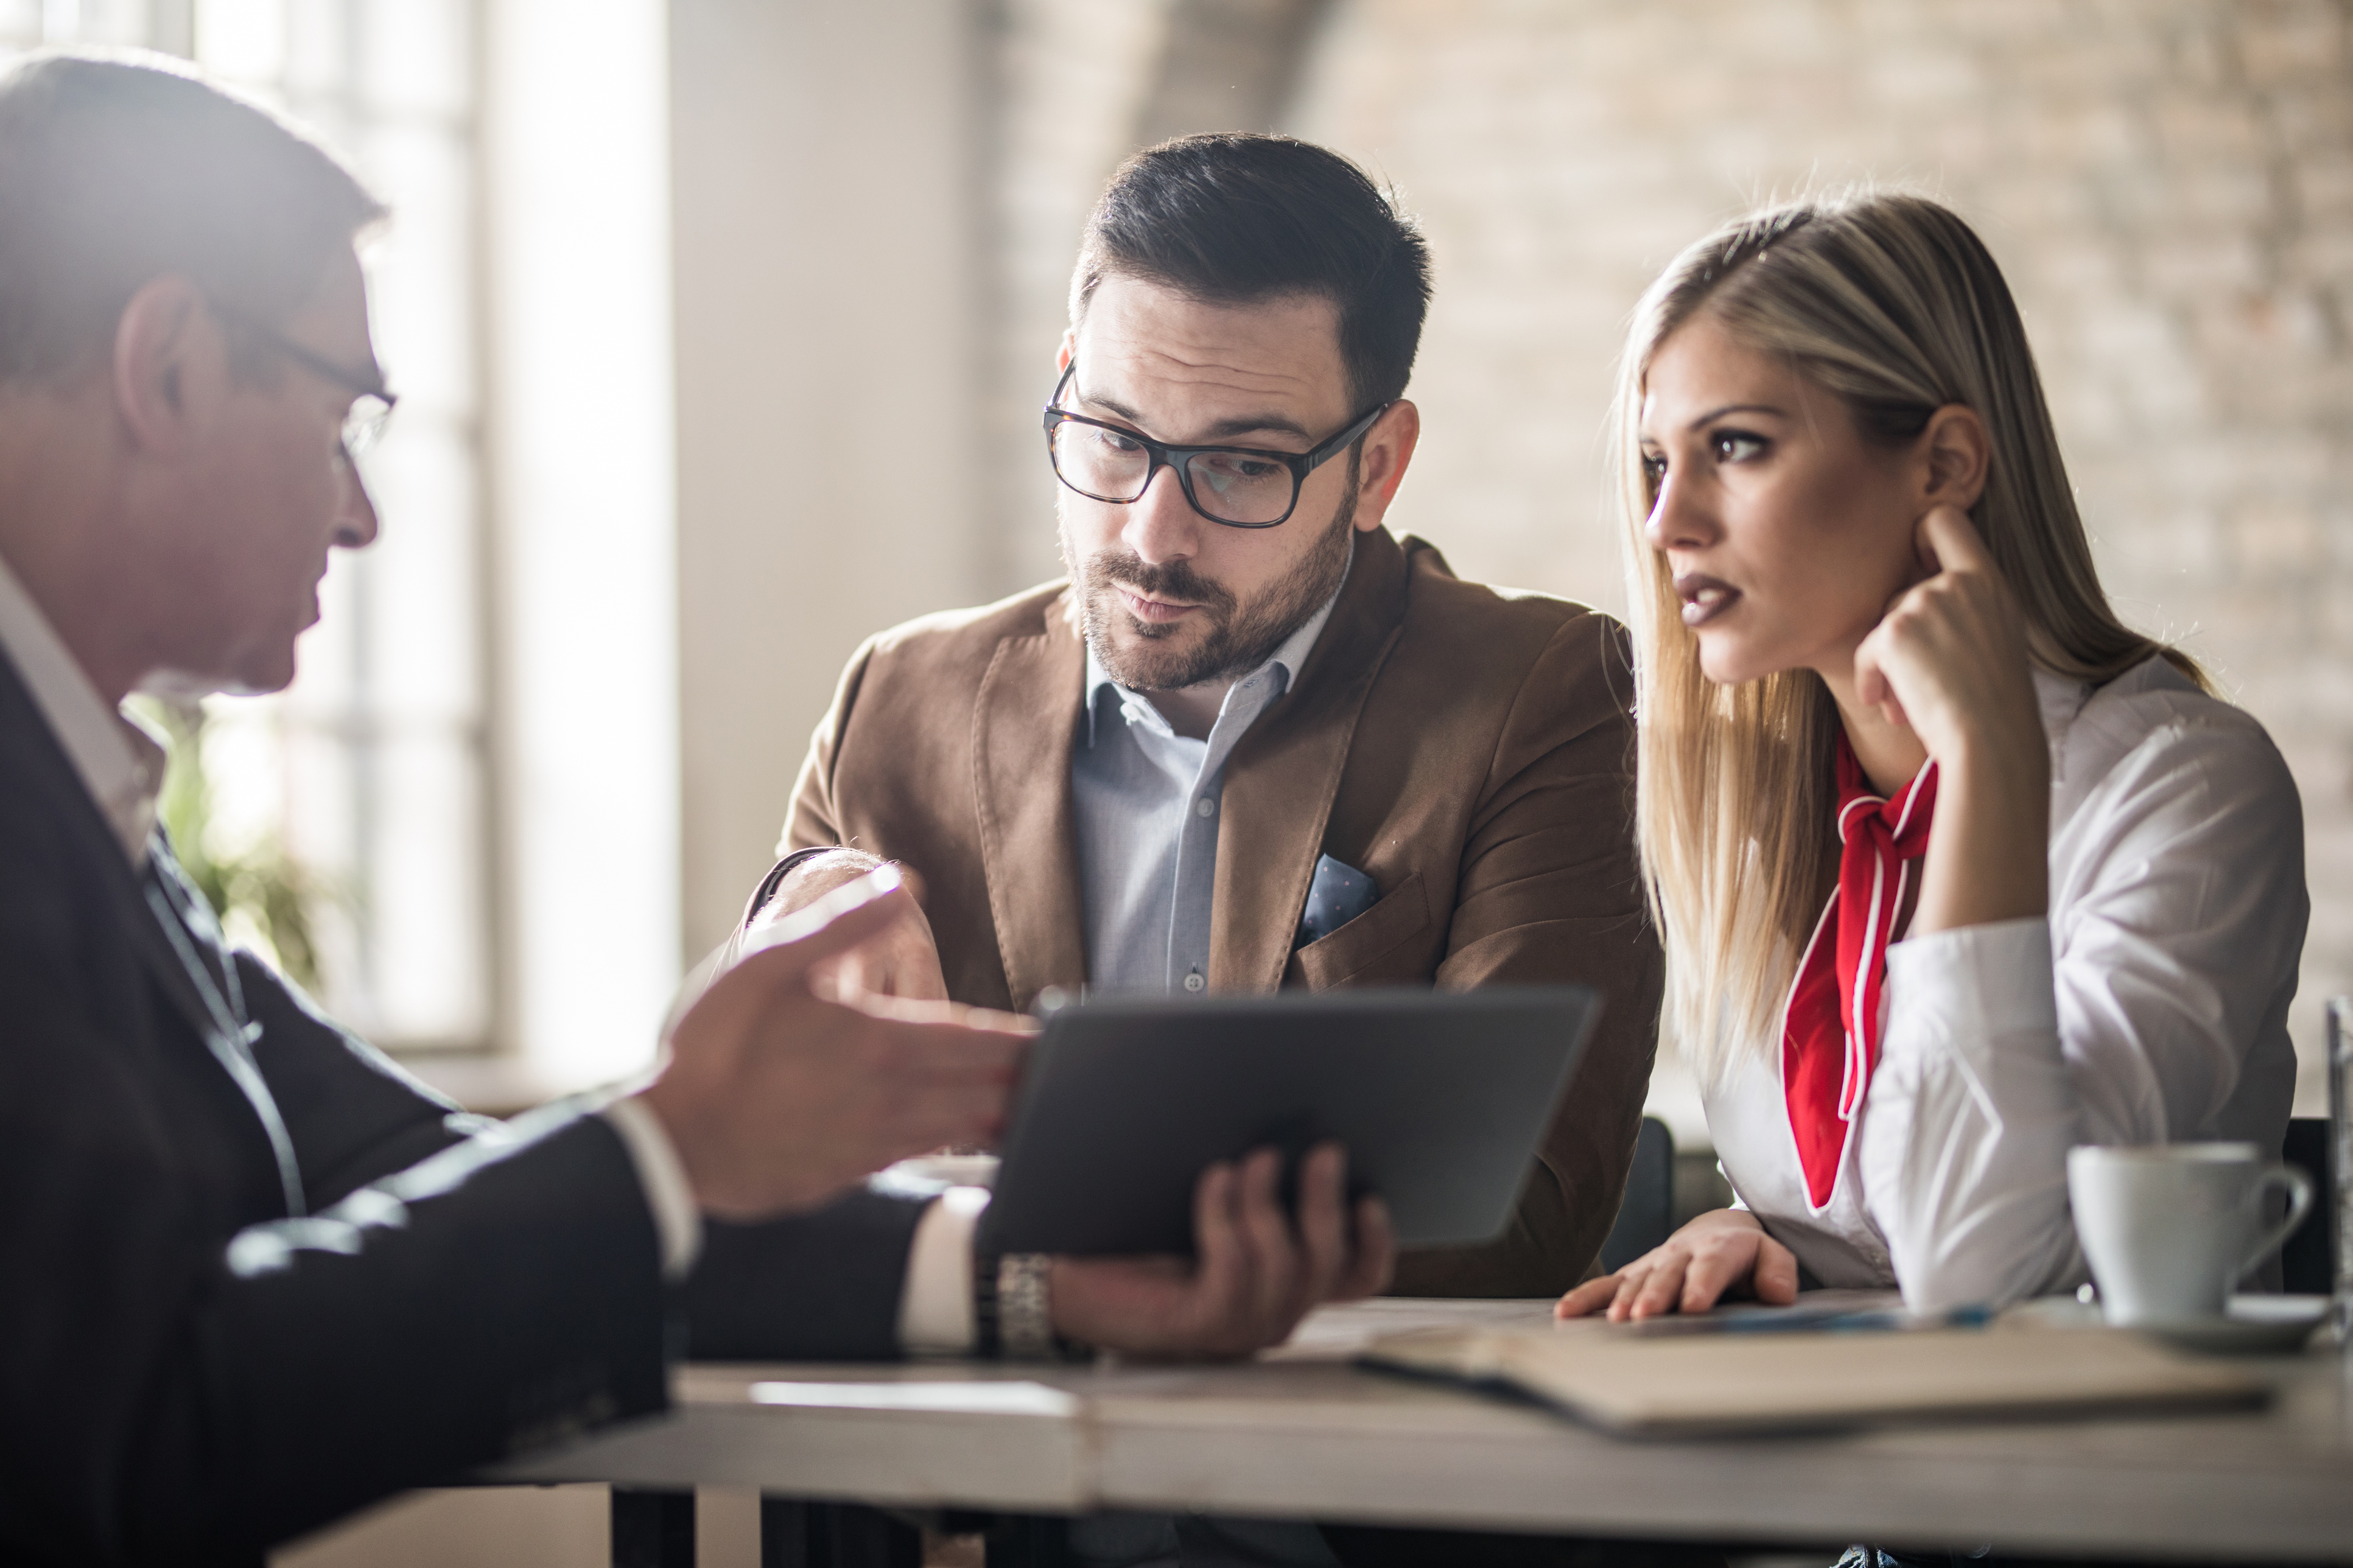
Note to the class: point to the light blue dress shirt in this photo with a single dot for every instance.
(1147, 801)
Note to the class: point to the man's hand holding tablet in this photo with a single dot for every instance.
(790, 1076)
(1255, 1274)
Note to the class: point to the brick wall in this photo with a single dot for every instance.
(2168, 186)
(1071, 77)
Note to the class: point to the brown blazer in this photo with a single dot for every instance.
(1468, 749)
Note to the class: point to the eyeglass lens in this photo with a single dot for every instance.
(1231, 487)
(363, 424)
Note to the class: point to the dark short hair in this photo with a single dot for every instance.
(1233, 219)
(115, 171)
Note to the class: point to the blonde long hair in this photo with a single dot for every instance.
(1894, 305)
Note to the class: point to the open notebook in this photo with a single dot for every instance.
(1690, 1386)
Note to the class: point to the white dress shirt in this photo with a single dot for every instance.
(2149, 1006)
(120, 763)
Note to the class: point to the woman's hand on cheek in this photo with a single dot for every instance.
(1949, 658)
(1722, 1252)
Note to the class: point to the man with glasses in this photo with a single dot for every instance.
(1255, 739)
(252, 1275)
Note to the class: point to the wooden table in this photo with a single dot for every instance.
(1301, 1433)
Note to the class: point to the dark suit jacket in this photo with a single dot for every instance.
(252, 1276)
(1470, 750)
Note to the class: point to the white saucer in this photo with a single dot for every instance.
(2256, 1325)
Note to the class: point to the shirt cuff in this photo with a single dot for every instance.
(935, 1314)
(678, 1220)
(1978, 982)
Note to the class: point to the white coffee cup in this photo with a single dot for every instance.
(2169, 1228)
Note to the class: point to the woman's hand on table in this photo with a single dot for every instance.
(1724, 1251)
(1254, 1275)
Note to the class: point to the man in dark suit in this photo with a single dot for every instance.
(1254, 740)
(252, 1276)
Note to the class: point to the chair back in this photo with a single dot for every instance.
(1646, 1213)
(2308, 1261)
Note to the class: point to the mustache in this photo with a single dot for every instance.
(1173, 579)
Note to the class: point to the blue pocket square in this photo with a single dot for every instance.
(1339, 895)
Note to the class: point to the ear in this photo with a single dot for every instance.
(168, 360)
(1389, 448)
(1955, 451)
(1068, 351)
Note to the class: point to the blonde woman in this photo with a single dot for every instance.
(1955, 870)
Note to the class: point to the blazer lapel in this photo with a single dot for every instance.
(1024, 725)
(149, 909)
(1282, 776)
(195, 941)
(40, 764)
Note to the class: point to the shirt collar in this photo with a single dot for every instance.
(1287, 657)
(116, 760)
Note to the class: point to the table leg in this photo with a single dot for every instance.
(652, 1529)
(1029, 1541)
(795, 1534)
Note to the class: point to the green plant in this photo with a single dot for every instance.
(276, 894)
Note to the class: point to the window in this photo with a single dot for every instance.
(358, 800)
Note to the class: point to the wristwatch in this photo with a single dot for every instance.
(1013, 1309)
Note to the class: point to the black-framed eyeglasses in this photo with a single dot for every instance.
(1241, 486)
(371, 401)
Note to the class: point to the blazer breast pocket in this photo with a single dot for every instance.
(1401, 915)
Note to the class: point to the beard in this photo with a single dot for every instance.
(1241, 635)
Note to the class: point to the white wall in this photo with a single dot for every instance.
(577, 98)
(826, 264)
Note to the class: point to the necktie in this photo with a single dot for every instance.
(1829, 1034)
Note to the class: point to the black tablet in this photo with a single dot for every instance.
(1441, 1097)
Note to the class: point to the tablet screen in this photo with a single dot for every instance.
(1441, 1097)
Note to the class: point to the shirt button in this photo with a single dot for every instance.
(1194, 982)
(1205, 806)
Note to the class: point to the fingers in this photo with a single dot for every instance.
(1950, 541)
(1323, 1224)
(1266, 1229)
(909, 1058)
(1715, 1268)
(1691, 1272)
(944, 1083)
(1254, 1278)
(1222, 1275)
(1775, 1273)
(1374, 1257)
(1659, 1289)
(948, 1118)
(1020, 1024)
(1589, 1297)
(948, 1039)
(1871, 687)
(1250, 1278)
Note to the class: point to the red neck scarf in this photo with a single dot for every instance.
(1829, 1033)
